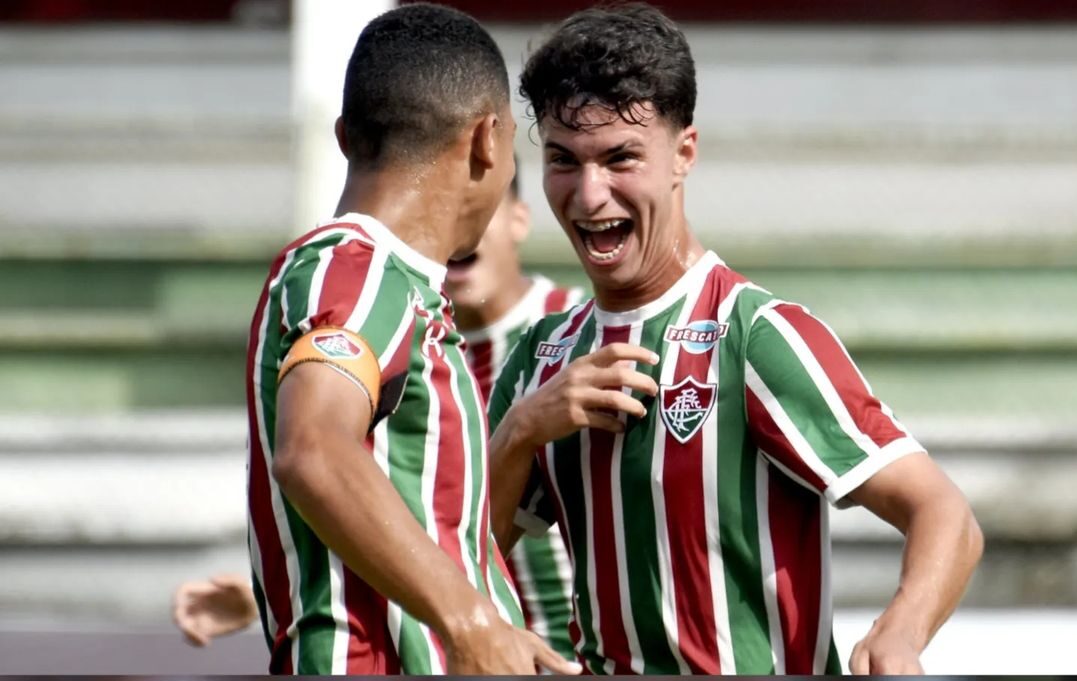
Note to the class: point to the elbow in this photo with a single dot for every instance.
(975, 541)
(293, 467)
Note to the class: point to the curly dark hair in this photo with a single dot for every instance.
(615, 57)
(416, 75)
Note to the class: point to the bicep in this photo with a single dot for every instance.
(896, 492)
(315, 402)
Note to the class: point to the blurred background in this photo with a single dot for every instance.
(907, 170)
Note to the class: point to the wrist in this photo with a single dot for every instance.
(518, 428)
(461, 618)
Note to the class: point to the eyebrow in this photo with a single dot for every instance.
(608, 152)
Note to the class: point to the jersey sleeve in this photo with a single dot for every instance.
(535, 512)
(350, 286)
(810, 409)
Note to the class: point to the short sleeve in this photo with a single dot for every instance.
(809, 408)
(352, 285)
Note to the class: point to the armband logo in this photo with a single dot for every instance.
(336, 346)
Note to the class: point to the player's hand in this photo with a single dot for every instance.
(588, 394)
(486, 644)
(885, 651)
(205, 610)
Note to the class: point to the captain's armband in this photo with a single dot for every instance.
(345, 352)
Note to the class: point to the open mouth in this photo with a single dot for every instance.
(459, 268)
(604, 240)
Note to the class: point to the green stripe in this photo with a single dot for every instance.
(414, 648)
(833, 662)
(503, 590)
(383, 318)
(785, 376)
(738, 520)
(640, 521)
(548, 590)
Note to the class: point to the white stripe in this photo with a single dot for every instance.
(636, 662)
(785, 424)
(570, 582)
(766, 556)
(658, 497)
(371, 290)
(822, 382)
(826, 605)
(256, 567)
(340, 615)
(715, 557)
(277, 503)
(525, 585)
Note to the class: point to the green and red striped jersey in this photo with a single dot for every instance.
(539, 565)
(698, 536)
(429, 437)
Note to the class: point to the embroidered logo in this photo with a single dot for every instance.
(435, 333)
(555, 352)
(336, 346)
(698, 337)
(686, 406)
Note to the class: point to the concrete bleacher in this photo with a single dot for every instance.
(916, 189)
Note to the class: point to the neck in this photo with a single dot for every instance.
(494, 308)
(418, 205)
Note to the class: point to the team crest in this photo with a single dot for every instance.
(686, 406)
(336, 346)
(698, 337)
(554, 352)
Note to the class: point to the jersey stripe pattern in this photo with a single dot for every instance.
(318, 616)
(538, 565)
(698, 536)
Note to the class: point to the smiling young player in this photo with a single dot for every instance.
(686, 428)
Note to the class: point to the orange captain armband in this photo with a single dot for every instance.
(342, 350)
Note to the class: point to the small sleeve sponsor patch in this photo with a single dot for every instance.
(342, 350)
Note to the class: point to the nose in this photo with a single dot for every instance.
(592, 188)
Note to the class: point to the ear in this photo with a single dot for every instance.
(686, 141)
(342, 136)
(520, 220)
(484, 141)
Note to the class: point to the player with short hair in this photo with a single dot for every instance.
(494, 302)
(369, 512)
(690, 483)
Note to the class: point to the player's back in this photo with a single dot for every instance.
(354, 276)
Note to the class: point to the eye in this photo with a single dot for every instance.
(623, 158)
(560, 160)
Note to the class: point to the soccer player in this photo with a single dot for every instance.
(494, 303)
(369, 514)
(686, 427)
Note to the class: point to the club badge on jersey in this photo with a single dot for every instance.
(686, 406)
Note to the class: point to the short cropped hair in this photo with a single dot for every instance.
(417, 74)
(615, 57)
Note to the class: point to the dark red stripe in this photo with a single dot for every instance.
(480, 356)
(556, 300)
(275, 581)
(549, 370)
(607, 575)
(342, 284)
(862, 405)
(769, 437)
(686, 520)
(795, 535)
(370, 646)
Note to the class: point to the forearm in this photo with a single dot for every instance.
(511, 456)
(356, 512)
(942, 548)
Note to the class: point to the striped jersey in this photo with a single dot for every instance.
(539, 565)
(429, 437)
(698, 536)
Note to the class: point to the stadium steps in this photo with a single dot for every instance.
(163, 501)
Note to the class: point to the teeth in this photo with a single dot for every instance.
(597, 225)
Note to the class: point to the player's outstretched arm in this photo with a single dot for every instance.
(585, 394)
(943, 544)
(205, 610)
(327, 474)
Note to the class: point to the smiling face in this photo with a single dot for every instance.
(617, 188)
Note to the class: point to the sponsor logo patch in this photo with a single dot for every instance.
(554, 352)
(336, 346)
(686, 406)
(698, 337)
